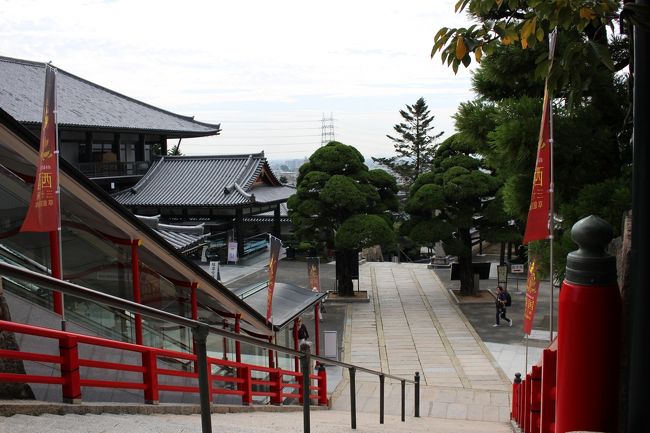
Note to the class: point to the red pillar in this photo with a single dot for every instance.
(57, 272)
(225, 342)
(237, 343)
(71, 387)
(317, 327)
(322, 385)
(588, 333)
(271, 360)
(135, 271)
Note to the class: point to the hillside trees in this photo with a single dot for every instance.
(343, 205)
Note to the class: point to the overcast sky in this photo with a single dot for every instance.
(266, 70)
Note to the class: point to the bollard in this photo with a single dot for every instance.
(381, 398)
(588, 333)
(353, 399)
(403, 400)
(306, 382)
(417, 394)
(200, 337)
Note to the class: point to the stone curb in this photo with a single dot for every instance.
(35, 408)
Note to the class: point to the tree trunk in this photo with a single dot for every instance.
(465, 265)
(345, 262)
(8, 341)
(502, 255)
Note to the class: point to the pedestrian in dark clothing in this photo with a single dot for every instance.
(303, 335)
(503, 301)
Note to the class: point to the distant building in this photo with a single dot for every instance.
(219, 191)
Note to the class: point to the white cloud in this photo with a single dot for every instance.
(225, 61)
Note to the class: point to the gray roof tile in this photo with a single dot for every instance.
(206, 181)
(85, 104)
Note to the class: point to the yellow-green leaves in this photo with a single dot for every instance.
(461, 48)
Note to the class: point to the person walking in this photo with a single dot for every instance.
(303, 335)
(503, 300)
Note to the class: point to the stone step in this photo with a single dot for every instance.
(252, 422)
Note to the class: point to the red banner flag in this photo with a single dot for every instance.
(276, 244)
(537, 226)
(43, 212)
(532, 289)
(313, 272)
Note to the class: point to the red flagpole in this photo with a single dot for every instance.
(43, 213)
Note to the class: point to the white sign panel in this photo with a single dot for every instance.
(517, 269)
(232, 252)
(214, 270)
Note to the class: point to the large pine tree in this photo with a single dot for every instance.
(414, 143)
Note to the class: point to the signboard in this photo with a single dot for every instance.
(232, 252)
(502, 275)
(331, 345)
(214, 270)
(532, 289)
(517, 269)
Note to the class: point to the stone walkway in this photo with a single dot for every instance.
(409, 325)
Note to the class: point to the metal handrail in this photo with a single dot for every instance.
(200, 331)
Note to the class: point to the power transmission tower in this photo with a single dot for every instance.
(327, 130)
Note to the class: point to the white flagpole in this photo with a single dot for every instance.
(551, 194)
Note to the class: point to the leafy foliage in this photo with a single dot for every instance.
(414, 143)
(526, 24)
(340, 203)
(443, 204)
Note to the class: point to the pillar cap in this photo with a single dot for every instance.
(591, 265)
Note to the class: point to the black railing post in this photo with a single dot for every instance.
(353, 399)
(200, 334)
(417, 394)
(306, 400)
(381, 398)
(403, 400)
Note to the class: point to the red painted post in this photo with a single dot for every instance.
(588, 333)
(317, 327)
(549, 372)
(225, 343)
(271, 358)
(57, 272)
(69, 351)
(150, 377)
(296, 361)
(237, 343)
(247, 386)
(525, 427)
(276, 388)
(135, 272)
(322, 386)
(535, 398)
(516, 390)
(522, 400)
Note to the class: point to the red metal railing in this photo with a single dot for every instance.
(533, 399)
(249, 380)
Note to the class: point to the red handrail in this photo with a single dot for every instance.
(71, 381)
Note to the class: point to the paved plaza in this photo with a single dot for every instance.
(412, 324)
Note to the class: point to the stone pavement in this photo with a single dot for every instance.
(411, 324)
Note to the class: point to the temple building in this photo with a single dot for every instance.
(219, 191)
(109, 137)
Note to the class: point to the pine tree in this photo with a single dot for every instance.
(414, 143)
